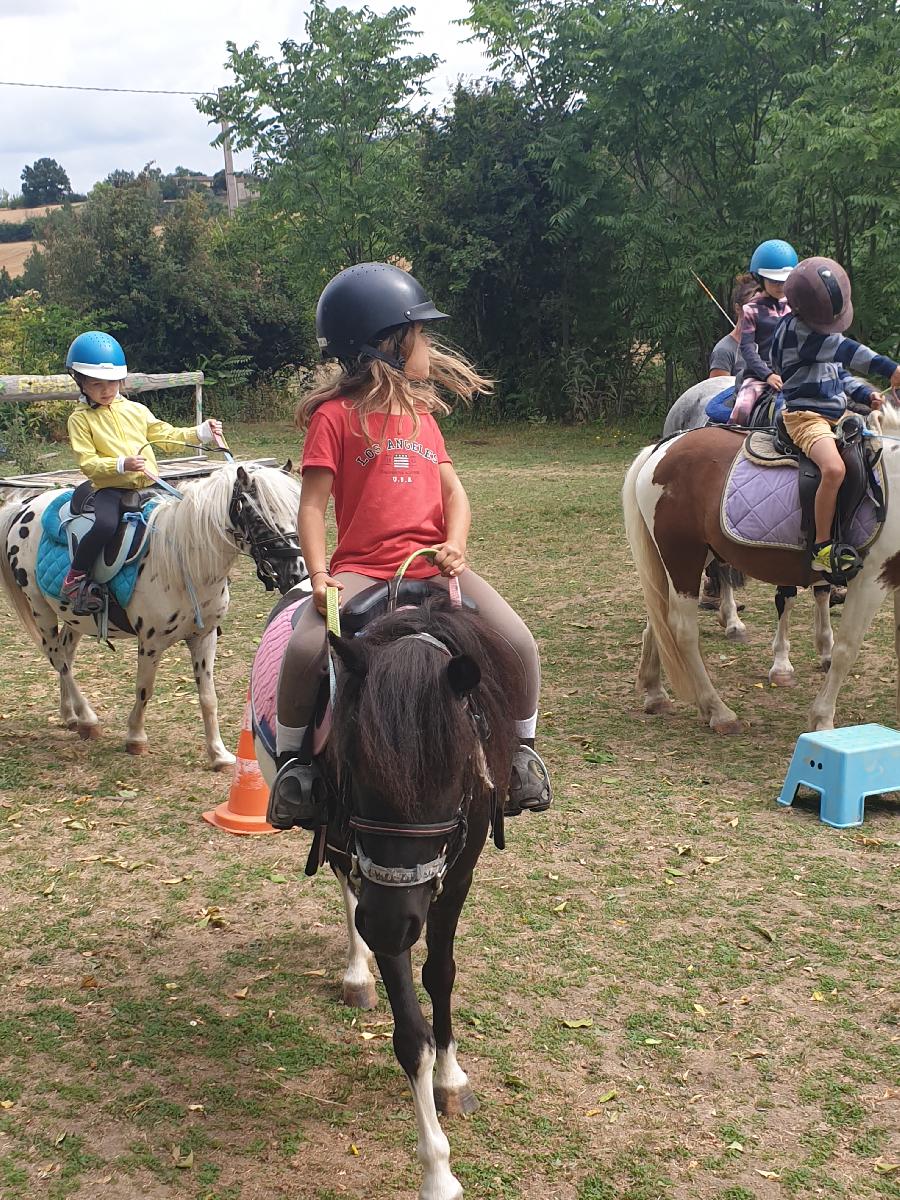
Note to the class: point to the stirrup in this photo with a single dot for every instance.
(89, 599)
(529, 785)
(297, 797)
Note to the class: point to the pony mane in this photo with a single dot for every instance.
(890, 416)
(404, 728)
(195, 532)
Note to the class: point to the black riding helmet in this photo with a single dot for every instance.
(359, 306)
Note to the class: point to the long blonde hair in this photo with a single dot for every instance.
(372, 386)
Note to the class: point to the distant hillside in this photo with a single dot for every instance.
(13, 254)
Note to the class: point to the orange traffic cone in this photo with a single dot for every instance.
(245, 809)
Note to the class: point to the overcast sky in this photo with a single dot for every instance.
(177, 44)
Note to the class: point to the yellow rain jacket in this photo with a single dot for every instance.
(103, 436)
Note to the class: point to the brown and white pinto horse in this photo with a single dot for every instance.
(672, 499)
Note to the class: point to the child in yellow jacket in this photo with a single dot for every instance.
(112, 438)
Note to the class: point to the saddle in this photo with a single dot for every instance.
(861, 504)
(76, 517)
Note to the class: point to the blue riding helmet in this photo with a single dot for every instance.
(774, 259)
(97, 355)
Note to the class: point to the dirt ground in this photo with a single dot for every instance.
(668, 986)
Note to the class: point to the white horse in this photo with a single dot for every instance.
(672, 528)
(181, 591)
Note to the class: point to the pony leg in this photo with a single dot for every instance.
(60, 644)
(782, 673)
(415, 1050)
(203, 656)
(452, 1094)
(358, 984)
(735, 629)
(147, 665)
(864, 597)
(649, 683)
(686, 631)
(824, 635)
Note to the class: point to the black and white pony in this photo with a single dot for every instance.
(416, 766)
(181, 593)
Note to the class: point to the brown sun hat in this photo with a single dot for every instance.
(818, 291)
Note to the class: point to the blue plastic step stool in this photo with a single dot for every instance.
(844, 766)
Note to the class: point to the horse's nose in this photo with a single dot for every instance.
(391, 927)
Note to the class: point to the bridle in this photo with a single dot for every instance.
(263, 547)
(454, 831)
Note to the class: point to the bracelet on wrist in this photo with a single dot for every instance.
(315, 573)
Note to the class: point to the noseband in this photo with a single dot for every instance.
(264, 548)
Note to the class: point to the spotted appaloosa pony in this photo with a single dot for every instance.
(417, 766)
(689, 412)
(193, 543)
(672, 497)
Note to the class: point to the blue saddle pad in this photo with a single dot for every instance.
(54, 560)
(719, 408)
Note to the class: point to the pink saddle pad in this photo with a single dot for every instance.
(266, 669)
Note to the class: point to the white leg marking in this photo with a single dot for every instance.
(439, 1182)
(864, 597)
(358, 984)
(824, 635)
(782, 672)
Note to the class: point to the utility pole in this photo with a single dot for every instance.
(230, 181)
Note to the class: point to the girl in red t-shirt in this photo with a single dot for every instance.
(372, 443)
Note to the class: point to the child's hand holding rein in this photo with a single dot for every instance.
(321, 582)
(450, 559)
(134, 462)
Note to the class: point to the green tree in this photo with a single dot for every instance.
(45, 182)
(332, 126)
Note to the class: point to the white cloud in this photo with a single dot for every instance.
(176, 44)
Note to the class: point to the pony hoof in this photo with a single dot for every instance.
(727, 728)
(658, 706)
(456, 1102)
(737, 635)
(825, 666)
(782, 679)
(360, 995)
(88, 733)
(223, 763)
(137, 748)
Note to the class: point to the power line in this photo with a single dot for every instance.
(72, 87)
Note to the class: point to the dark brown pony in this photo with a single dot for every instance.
(672, 499)
(418, 764)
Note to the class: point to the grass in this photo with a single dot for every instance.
(733, 959)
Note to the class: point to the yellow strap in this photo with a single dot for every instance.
(333, 611)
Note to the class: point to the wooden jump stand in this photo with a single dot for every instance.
(24, 389)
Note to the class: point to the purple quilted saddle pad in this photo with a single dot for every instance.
(761, 507)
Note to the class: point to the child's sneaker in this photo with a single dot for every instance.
(822, 560)
(71, 585)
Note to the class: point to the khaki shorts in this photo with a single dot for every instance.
(807, 428)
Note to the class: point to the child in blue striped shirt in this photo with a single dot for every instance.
(815, 363)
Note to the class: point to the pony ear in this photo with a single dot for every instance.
(351, 653)
(288, 467)
(463, 674)
(243, 478)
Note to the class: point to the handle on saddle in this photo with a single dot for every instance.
(430, 552)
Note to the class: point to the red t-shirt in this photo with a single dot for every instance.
(387, 493)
